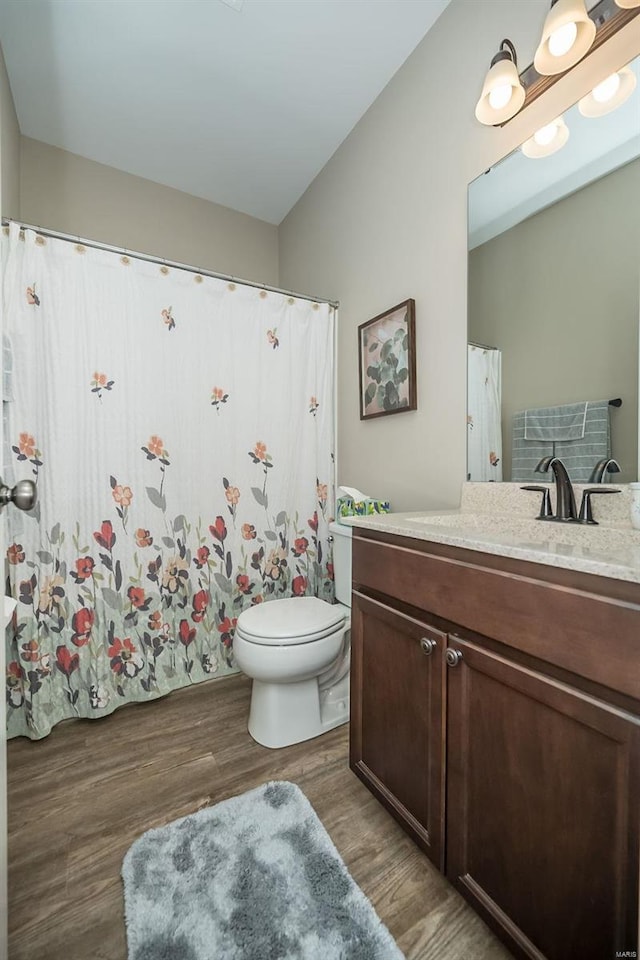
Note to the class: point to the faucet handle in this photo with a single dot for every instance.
(545, 507)
(586, 514)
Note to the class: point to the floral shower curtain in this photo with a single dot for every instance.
(484, 427)
(180, 430)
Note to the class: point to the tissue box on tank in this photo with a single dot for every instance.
(348, 507)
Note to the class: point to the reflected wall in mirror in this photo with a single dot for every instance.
(553, 286)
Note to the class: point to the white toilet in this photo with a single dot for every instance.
(297, 651)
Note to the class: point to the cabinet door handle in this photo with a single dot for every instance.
(428, 646)
(453, 657)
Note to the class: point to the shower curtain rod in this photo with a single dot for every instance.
(56, 235)
(483, 346)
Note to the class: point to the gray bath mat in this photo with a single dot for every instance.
(255, 877)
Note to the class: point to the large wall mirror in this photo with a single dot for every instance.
(553, 287)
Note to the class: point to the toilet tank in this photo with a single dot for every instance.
(342, 561)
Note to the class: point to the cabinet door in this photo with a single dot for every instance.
(542, 818)
(397, 748)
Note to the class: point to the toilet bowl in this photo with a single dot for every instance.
(293, 650)
(297, 652)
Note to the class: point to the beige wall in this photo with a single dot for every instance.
(574, 334)
(65, 192)
(9, 147)
(386, 220)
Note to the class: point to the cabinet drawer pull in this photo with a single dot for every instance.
(428, 646)
(453, 657)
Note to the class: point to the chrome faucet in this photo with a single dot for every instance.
(602, 467)
(565, 499)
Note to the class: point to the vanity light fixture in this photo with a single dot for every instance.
(502, 93)
(567, 35)
(608, 95)
(570, 33)
(549, 139)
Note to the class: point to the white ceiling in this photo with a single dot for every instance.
(237, 101)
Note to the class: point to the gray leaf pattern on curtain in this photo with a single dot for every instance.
(183, 457)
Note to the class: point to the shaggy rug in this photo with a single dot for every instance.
(255, 877)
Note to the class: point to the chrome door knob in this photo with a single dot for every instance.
(453, 657)
(428, 646)
(23, 495)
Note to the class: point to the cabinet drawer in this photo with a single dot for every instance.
(572, 624)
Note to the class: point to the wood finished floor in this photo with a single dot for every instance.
(80, 797)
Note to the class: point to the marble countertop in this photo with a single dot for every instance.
(608, 550)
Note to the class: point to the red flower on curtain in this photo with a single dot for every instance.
(137, 598)
(200, 602)
(105, 537)
(218, 529)
(82, 623)
(66, 662)
(15, 553)
(299, 586)
(300, 546)
(226, 627)
(84, 569)
(186, 633)
(125, 659)
(244, 583)
(201, 557)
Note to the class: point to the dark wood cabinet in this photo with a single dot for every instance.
(542, 808)
(397, 744)
(539, 764)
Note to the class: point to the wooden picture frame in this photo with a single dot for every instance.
(387, 362)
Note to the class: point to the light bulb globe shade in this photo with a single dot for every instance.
(499, 96)
(606, 90)
(546, 141)
(567, 36)
(628, 4)
(608, 95)
(502, 94)
(545, 135)
(562, 39)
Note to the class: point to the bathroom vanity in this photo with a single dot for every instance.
(495, 712)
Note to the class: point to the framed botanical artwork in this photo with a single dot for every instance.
(387, 358)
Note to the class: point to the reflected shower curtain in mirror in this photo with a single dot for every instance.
(180, 430)
(484, 434)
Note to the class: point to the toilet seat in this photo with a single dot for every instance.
(291, 621)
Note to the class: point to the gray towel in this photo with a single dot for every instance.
(565, 422)
(579, 456)
(526, 454)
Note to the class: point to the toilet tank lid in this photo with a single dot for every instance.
(340, 529)
(295, 617)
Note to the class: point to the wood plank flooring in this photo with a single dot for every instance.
(80, 797)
